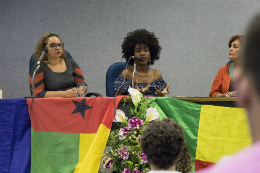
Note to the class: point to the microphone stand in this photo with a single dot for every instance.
(134, 74)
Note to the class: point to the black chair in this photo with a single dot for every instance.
(32, 62)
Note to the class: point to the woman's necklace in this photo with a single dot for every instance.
(231, 70)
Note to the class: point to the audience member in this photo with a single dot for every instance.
(164, 146)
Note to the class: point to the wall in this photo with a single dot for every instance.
(193, 34)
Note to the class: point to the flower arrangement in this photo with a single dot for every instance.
(126, 155)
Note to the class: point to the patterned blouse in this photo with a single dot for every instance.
(123, 85)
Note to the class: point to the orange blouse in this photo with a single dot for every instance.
(221, 82)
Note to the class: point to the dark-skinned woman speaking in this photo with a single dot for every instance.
(148, 81)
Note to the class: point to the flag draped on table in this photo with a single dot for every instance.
(211, 131)
(70, 135)
(15, 135)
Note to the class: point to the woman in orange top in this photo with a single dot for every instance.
(221, 86)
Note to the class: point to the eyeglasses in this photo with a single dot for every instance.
(54, 45)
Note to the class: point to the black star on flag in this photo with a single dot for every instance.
(81, 107)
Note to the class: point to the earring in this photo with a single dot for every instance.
(149, 66)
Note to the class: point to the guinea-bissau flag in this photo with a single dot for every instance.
(70, 134)
(211, 132)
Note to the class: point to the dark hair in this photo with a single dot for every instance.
(250, 53)
(233, 38)
(164, 145)
(141, 36)
(42, 44)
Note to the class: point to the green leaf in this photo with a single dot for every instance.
(129, 164)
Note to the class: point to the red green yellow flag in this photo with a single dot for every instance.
(211, 131)
(70, 134)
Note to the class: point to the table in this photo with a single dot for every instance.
(15, 127)
(216, 101)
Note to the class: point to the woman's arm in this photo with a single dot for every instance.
(161, 92)
(78, 76)
(216, 86)
(39, 86)
(122, 83)
(66, 94)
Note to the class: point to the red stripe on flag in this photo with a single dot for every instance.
(199, 164)
(55, 114)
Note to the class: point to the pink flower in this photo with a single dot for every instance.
(126, 171)
(122, 133)
(109, 163)
(143, 156)
(139, 139)
(137, 171)
(123, 153)
(133, 122)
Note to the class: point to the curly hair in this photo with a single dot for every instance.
(164, 145)
(42, 44)
(140, 36)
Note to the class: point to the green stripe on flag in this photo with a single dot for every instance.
(187, 114)
(54, 152)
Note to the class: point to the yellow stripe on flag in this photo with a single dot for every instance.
(222, 131)
(91, 161)
(84, 144)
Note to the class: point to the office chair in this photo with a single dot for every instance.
(32, 62)
(112, 73)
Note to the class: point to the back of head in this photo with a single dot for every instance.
(250, 55)
(162, 142)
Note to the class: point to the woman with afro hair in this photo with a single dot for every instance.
(164, 145)
(143, 44)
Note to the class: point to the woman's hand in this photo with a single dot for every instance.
(228, 94)
(71, 93)
(163, 92)
(142, 90)
(220, 95)
(231, 94)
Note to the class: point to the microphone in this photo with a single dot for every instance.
(45, 50)
(137, 58)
